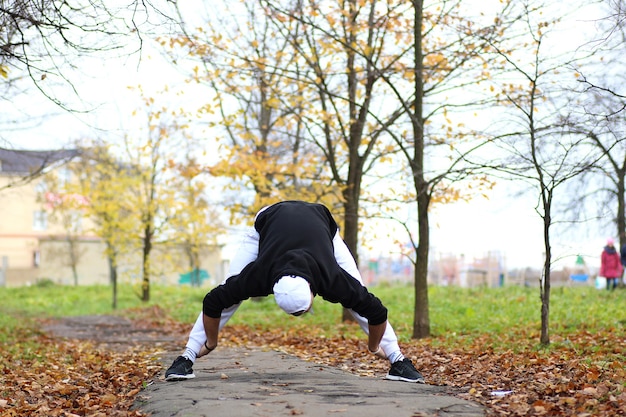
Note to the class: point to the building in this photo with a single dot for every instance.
(488, 270)
(34, 248)
(444, 269)
(23, 222)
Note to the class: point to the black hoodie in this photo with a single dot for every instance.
(296, 238)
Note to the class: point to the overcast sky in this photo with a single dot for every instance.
(498, 224)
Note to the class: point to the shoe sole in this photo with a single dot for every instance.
(176, 377)
(399, 378)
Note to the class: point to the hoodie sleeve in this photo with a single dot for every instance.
(370, 307)
(351, 294)
(235, 290)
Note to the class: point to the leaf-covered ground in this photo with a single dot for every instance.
(70, 377)
(557, 382)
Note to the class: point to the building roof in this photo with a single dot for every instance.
(24, 162)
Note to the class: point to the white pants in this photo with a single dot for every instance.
(248, 252)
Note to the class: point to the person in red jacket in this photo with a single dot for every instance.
(610, 265)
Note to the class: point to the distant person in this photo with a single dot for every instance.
(610, 265)
(295, 252)
(623, 257)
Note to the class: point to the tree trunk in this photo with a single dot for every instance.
(73, 258)
(194, 264)
(147, 246)
(421, 319)
(113, 279)
(196, 267)
(545, 283)
(352, 192)
(351, 231)
(621, 216)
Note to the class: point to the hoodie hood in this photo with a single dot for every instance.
(300, 263)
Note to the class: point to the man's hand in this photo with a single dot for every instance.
(204, 350)
(376, 333)
(379, 352)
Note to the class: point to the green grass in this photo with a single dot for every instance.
(457, 315)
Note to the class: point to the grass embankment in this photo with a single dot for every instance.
(458, 315)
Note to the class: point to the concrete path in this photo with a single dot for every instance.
(251, 382)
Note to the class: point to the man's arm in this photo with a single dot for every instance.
(376, 333)
(211, 328)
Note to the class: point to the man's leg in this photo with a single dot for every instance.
(402, 369)
(197, 336)
(389, 343)
(247, 252)
(181, 368)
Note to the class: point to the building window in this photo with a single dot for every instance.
(40, 220)
(64, 176)
(36, 258)
(76, 221)
(41, 187)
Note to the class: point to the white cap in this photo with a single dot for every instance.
(292, 294)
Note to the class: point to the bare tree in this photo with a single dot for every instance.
(604, 77)
(605, 182)
(48, 48)
(43, 38)
(603, 95)
(539, 144)
(447, 56)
